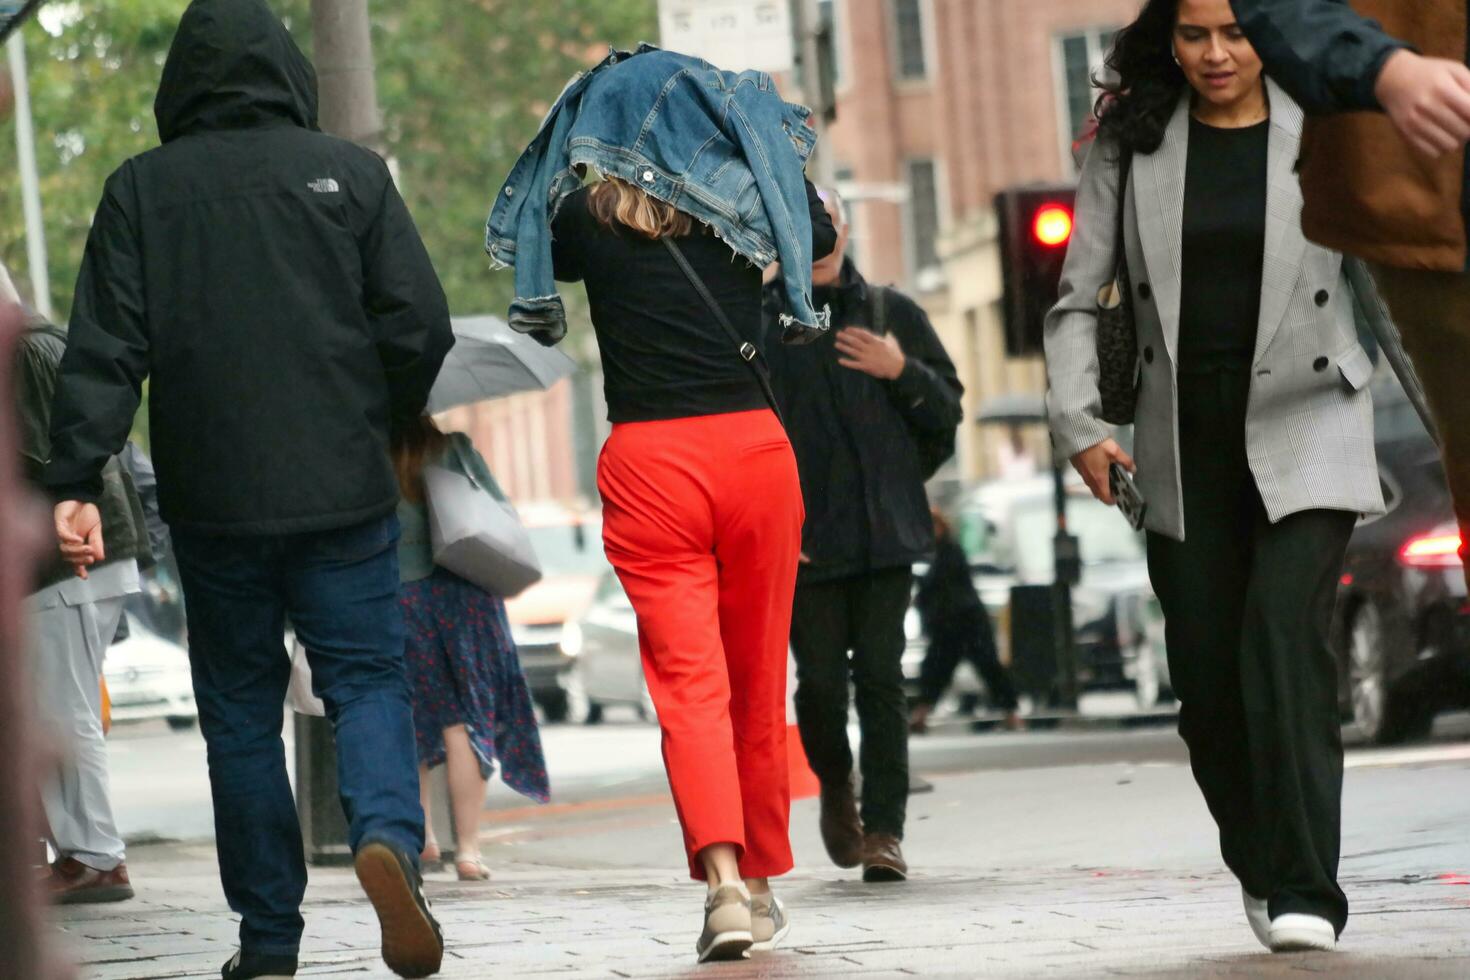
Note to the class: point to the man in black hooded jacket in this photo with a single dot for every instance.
(871, 410)
(270, 283)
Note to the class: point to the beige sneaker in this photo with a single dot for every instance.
(727, 924)
(768, 922)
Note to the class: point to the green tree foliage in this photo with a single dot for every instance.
(463, 85)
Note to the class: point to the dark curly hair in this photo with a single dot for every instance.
(1143, 82)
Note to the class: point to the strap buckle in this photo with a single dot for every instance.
(748, 351)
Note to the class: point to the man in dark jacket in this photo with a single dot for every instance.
(269, 281)
(72, 623)
(871, 410)
(1393, 188)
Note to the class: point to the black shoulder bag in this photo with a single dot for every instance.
(749, 353)
(1117, 333)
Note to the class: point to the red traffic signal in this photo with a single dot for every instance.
(1035, 225)
(1052, 225)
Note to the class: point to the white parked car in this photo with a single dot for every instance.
(148, 677)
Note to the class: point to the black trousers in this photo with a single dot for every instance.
(969, 636)
(1248, 607)
(863, 615)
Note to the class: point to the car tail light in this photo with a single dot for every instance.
(1439, 548)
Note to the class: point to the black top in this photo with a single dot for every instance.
(270, 283)
(663, 354)
(1224, 243)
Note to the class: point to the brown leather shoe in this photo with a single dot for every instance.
(883, 859)
(842, 829)
(73, 883)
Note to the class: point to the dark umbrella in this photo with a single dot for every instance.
(490, 360)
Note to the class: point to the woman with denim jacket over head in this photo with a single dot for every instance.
(1253, 435)
(702, 518)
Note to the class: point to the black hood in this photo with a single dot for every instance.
(233, 65)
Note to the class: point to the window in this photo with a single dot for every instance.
(1079, 56)
(923, 181)
(910, 47)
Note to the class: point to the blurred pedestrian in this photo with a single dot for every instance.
(1253, 434)
(471, 706)
(269, 282)
(701, 505)
(958, 627)
(872, 410)
(1390, 188)
(73, 621)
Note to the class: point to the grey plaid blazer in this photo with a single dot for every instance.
(1309, 423)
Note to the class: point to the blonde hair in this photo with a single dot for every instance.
(616, 202)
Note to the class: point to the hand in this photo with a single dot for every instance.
(1093, 464)
(862, 350)
(1428, 100)
(79, 532)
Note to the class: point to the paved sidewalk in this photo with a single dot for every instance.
(540, 922)
(1077, 872)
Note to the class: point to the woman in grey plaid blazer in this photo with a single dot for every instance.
(1253, 434)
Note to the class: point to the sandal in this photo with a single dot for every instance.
(473, 870)
(431, 855)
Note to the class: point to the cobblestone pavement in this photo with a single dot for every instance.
(1080, 872)
(536, 922)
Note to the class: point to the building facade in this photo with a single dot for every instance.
(941, 103)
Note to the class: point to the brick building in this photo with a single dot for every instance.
(940, 104)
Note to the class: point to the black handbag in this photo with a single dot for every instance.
(1117, 332)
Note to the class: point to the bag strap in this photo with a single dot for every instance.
(1125, 164)
(880, 310)
(749, 353)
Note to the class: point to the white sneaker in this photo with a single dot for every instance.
(1259, 916)
(1296, 933)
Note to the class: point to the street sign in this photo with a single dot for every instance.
(735, 35)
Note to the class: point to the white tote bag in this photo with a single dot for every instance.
(298, 693)
(476, 535)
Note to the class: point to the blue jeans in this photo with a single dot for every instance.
(340, 590)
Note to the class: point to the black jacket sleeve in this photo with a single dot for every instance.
(824, 235)
(405, 304)
(928, 391)
(106, 357)
(1321, 51)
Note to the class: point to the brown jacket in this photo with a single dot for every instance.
(1366, 192)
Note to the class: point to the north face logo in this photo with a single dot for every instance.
(324, 185)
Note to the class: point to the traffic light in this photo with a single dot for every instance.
(1035, 227)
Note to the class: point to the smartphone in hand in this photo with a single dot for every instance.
(1127, 496)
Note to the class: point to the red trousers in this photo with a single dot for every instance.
(702, 520)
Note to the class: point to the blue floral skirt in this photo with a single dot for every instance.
(463, 670)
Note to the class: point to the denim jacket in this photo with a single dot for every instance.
(721, 146)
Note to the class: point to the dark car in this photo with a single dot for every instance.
(1403, 629)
